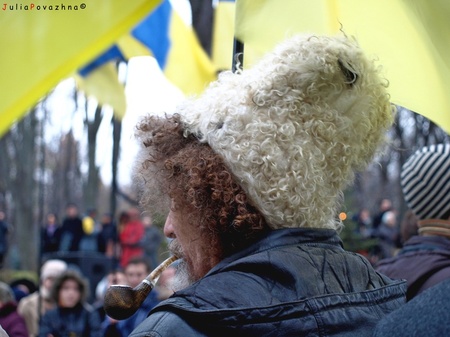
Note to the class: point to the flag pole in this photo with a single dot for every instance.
(238, 55)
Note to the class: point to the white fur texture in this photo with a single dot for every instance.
(292, 129)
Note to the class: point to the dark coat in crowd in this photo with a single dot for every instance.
(71, 234)
(108, 234)
(11, 321)
(80, 322)
(50, 239)
(423, 262)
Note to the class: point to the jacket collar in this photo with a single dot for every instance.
(284, 237)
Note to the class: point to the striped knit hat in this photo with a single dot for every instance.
(425, 181)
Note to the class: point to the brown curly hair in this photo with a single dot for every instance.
(198, 183)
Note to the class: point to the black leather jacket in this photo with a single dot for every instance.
(293, 282)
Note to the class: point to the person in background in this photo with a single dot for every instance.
(385, 206)
(408, 226)
(130, 237)
(29, 305)
(72, 230)
(4, 231)
(426, 315)
(364, 223)
(72, 316)
(124, 218)
(424, 260)
(151, 241)
(388, 235)
(22, 287)
(135, 271)
(107, 238)
(50, 235)
(10, 319)
(89, 241)
(252, 175)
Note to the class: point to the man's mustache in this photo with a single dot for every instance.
(176, 249)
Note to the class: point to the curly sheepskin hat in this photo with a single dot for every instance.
(293, 128)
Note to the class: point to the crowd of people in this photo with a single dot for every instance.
(384, 228)
(252, 174)
(132, 235)
(60, 306)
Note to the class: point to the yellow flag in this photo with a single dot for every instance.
(410, 39)
(44, 42)
(223, 34)
(104, 85)
(188, 66)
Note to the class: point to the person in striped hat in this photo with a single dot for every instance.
(424, 260)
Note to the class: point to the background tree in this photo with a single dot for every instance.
(92, 182)
(410, 132)
(64, 166)
(18, 167)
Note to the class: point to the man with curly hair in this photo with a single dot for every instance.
(252, 173)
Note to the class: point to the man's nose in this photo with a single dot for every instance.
(168, 226)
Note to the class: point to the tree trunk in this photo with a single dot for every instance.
(117, 131)
(92, 184)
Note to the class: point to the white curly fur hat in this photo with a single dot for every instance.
(293, 128)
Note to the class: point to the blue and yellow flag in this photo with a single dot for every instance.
(164, 35)
(46, 41)
(410, 38)
(177, 50)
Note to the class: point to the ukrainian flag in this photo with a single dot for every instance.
(46, 41)
(165, 36)
(410, 38)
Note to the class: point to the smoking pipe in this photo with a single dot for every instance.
(122, 301)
